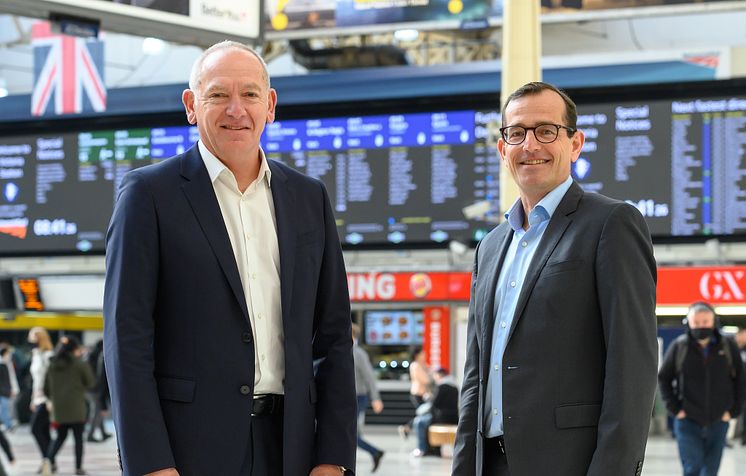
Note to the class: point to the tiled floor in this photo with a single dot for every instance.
(99, 459)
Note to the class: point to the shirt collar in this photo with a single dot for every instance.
(215, 167)
(542, 211)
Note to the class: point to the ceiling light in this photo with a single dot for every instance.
(153, 46)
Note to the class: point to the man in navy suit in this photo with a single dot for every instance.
(227, 319)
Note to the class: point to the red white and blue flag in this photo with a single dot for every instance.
(68, 72)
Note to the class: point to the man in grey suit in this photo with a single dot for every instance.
(561, 361)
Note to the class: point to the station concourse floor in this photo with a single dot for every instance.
(100, 458)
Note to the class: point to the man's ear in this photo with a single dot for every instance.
(187, 98)
(271, 104)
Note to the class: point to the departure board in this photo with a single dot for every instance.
(400, 179)
(681, 162)
(392, 179)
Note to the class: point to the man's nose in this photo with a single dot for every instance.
(530, 142)
(234, 107)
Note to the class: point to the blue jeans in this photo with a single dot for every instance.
(5, 415)
(362, 404)
(700, 447)
(421, 424)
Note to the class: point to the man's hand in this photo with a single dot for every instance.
(326, 470)
(726, 416)
(164, 472)
(681, 415)
(377, 406)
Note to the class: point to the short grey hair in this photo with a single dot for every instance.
(194, 76)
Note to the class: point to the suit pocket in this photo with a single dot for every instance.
(176, 389)
(577, 415)
(562, 266)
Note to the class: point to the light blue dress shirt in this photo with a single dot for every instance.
(512, 275)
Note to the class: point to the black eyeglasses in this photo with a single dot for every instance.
(544, 133)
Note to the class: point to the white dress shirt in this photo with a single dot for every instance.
(252, 228)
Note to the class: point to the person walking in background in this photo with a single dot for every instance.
(40, 355)
(98, 397)
(367, 392)
(8, 387)
(68, 379)
(561, 347)
(421, 381)
(703, 384)
(441, 408)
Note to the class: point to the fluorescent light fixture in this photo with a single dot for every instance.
(682, 310)
(406, 34)
(671, 310)
(731, 310)
(153, 46)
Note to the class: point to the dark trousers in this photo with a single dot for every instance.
(62, 430)
(700, 447)
(494, 461)
(362, 404)
(40, 429)
(264, 452)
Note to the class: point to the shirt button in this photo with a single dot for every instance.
(524, 244)
(495, 411)
(497, 368)
(245, 390)
(253, 275)
(259, 316)
(502, 324)
(512, 284)
(246, 337)
(262, 357)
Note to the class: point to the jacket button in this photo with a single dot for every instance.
(246, 337)
(245, 390)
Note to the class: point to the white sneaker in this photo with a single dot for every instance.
(418, 453)
(46, 467)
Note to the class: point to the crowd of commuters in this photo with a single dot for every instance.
(54, 383)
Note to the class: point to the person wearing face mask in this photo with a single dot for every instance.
(703, 384)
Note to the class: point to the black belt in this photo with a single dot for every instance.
(265, 405)
(497, 443)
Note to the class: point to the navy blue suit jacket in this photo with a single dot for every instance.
(178, 343)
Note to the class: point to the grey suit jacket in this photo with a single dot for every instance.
(579, 370)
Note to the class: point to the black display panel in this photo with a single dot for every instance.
(401, 175)
(392, 179)
(681, 162)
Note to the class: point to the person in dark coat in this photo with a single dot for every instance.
(443, 408)
(68, 379)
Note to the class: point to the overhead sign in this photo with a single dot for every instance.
(283, 17)
(372, 287)
(719, 285)
(198, 22)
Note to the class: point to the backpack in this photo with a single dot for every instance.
(681, 348)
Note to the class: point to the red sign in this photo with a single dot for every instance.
(437, 337)
(722, 285)
(371, 287)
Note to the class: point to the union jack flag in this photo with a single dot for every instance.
(69, 69)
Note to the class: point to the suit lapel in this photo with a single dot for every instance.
(555, 229)
(491, 265)
(283, 197)
(204, 203)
